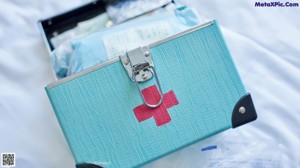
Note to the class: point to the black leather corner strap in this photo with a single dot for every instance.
(243, 112)
(87, 165)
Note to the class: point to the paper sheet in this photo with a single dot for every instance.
(118, 43)
(225, 150)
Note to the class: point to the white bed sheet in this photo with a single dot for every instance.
(265, 45)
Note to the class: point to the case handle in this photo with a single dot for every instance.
(146, 67)
(140, 68)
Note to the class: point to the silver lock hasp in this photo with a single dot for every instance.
(140, 68)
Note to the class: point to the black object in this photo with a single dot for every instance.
(243, 112)
(85, 165)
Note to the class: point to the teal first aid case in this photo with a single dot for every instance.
(152, 101)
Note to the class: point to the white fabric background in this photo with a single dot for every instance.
(264, 42)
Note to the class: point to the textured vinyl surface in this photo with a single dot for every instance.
(95, 111)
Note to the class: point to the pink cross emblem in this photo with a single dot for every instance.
(160, 114)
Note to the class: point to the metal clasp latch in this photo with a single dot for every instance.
(140, 68)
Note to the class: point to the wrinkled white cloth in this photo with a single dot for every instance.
(264, 43)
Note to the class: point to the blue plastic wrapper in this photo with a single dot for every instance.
(79, 54)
